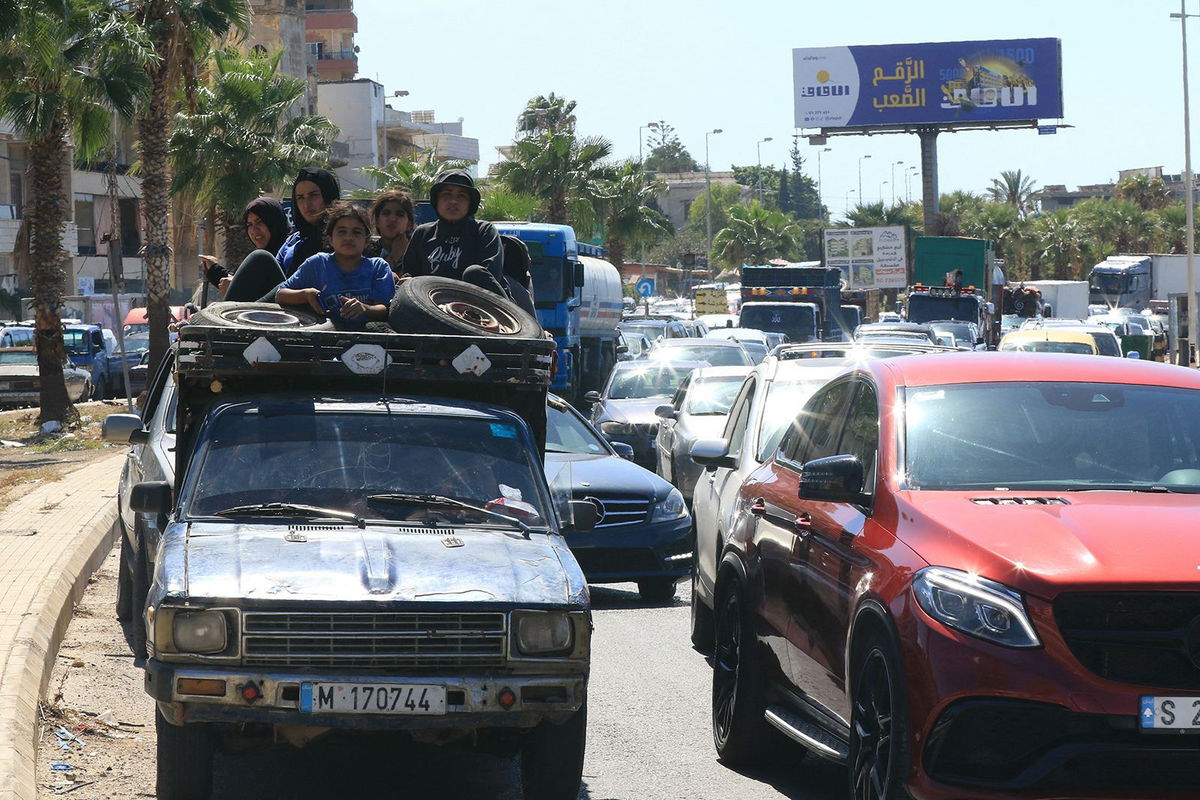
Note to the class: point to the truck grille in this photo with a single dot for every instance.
(373, 640)
(1145, 638)
(618, 510)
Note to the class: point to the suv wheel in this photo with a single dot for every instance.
(740, 731)
(141, 588)
(552, 758)
(185, 760)
(125, 578)
(879, 752)
(657, 590)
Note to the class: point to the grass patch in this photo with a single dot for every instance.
(64, 445)
(20, 477)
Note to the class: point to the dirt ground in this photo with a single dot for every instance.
(29, 458)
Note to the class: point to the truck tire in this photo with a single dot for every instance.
(185, 760)
(140, 584)
(269, 316)
(125, 579)
(552, 758)
(429, 304)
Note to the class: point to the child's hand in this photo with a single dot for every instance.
(351, 308)
(313, 298)
(223, 284)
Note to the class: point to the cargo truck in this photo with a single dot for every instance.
(814, 291)
(1065, 299)
(1132, 281)
(956, 277)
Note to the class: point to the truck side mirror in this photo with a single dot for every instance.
(97, 341)
(578, 275)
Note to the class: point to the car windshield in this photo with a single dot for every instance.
(8, 359)
(651, 332)
(716, 355)
(646, 381)
(779, 409)
(1051, 435)
(712, 395)
(337, 459)
(959, 330)
(566, 433)
(1105, 343)
(1049, 346)
(137, 342)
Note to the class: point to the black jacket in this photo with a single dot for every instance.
(447, 248)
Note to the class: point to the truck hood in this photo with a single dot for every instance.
(260, 563)
(1097, 540)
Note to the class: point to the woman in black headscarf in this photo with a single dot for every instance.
(267, 228)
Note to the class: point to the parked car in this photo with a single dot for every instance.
(21, 383)
(643, 532)
(624, 410)
(937, 581)
(696, 411)
(1055, 339)
(717, 352)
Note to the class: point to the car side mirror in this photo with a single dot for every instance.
(579, 274)
(712, 454)
(592, 397)
(97, 341)
(979, 340)
(622, 348)
(623, 449)
(151, 497)
(666, 412)
(124, 429)
(584, 515)
(838, 479)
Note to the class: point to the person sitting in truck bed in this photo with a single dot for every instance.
(456, 245)
(344, 285)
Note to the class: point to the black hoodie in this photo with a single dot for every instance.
(447, 248)
(309, 239)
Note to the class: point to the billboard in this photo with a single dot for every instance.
(940, 83)
(869, 258)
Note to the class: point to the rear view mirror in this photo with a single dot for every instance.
(579, 274)
(665, 412)
(584, 515)
(124, 429)
(712, 454)
(151, 497)
(592, 397)
(838, 479)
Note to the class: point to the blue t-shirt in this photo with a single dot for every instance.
(371, 282)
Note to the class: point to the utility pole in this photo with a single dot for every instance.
(708, 198)
(1189, 187)
(115, 271)
(860, 194)
(758, 153)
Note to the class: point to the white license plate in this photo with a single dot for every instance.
(1171, 713)
(372, 698)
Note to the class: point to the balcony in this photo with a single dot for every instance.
(337, 55)
(333, 19)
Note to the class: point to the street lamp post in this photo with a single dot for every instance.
(848, 193)
(860, 160)
(758, 153)
(908, 173)
(1188, 183)
(397, 93)
(708, 196)
(881, 185)
(653, 125)
(894, 163)
(820, 202)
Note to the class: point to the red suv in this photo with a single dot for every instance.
(974, 576)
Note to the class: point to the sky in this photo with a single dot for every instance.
(706, 64)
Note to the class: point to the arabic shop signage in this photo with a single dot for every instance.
(869, 258)
(928, 84)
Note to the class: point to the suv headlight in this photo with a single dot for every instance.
(616, 428)
(671, 507)
(976, 606)
(543, 633)
(188, 631)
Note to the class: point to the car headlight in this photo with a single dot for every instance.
(543, 633)
(671, 507)
(616, 428)
(975, 606)
(199, 632)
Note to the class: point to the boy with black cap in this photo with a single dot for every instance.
(457, 245)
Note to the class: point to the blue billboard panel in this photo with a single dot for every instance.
(928, 84)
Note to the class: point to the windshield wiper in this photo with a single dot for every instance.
(284, 509)
(448, 502)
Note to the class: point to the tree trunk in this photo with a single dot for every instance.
(153, 134)
(47, 211)
(616, 251)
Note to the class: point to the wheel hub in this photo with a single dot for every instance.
(264, 317)
(493, 320)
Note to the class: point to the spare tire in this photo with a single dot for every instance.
(259, 315)
(431, 304)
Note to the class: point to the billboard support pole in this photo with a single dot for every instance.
(930, 198)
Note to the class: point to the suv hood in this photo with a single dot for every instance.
(379, 564)
(1095, 540)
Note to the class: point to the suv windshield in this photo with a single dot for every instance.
(1053, 436)
(336, 459)
(645, 381)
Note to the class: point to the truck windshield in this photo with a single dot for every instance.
(336, 459)
(76, 342)
(923, 308)
(798, 321)
(549, 274)
(1108, 283)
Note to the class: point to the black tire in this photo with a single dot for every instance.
(141, 588)
(657, 590)
(124, 578)
(185, 760)
(268, 316)
(740, 731)
(429, 304)
(878, 713)
(703, 619)
(552, 758)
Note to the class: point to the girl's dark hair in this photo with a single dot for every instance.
(393, 196)
(341, 210)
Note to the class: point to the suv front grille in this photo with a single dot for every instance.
(618, 510)
(373, 640)
(1144, 638)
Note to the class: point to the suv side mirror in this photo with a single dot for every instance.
(622, 348)
(665, 412)
(152, 497)
(838, 479)
(578, 274)
(623, 449)
(124, 429)
(712, 454)
(584, 515)
(592, 397)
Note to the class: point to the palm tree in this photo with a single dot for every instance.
(80, 64)
(414, 176)
(628, 218)
(875, 215)
(756, 235)
(564, 172)
(1148, 193)
(240, 142)
(501, 203)
(1057, 241)
(999, 223)
(179, 30)
(549, 114)
(1014, 188)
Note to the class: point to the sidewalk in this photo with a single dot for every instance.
(51, 540)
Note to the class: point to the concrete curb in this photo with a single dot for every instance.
(25, 669)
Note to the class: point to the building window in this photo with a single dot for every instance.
(85, 222)
(131, 233)
(16, 192)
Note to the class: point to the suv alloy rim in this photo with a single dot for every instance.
(872, 729)
(726, 661)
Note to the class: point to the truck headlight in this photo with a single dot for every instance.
(975, 606)
(199, 631)
(671, 507)
(543, 633)
(616, 429)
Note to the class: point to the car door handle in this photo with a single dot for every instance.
(803, 524)
(759, 507)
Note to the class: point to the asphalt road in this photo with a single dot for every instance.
(648, 731)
